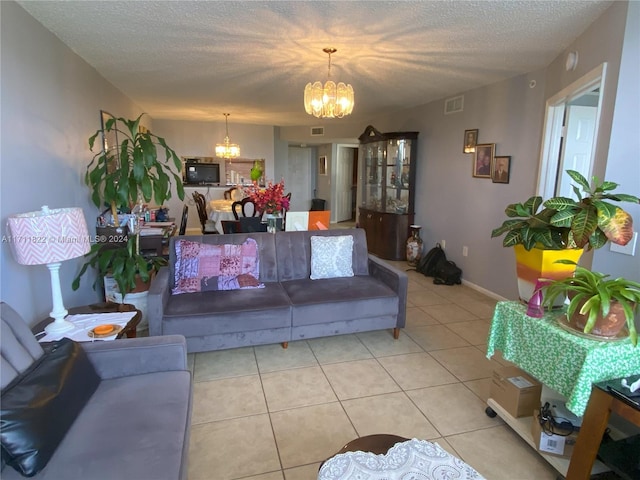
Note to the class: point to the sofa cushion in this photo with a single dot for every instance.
(293, 250)
(202, 267)
(331, 257)
(207, 313)
(338, 299)
(40, 405)
(134, 427)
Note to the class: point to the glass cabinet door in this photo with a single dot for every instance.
(398, 167)
(388, 171)
(374, 162)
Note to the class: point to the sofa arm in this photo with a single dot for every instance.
(136, 356)
(396, 280)
(159, 293)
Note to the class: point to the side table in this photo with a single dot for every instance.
(601, 404)
(129, 329)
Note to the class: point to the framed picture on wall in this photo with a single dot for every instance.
(482, 160)
(470, 141)
(322, 165)
(500, 169)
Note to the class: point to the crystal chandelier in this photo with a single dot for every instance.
(227, 149)
(330, 100)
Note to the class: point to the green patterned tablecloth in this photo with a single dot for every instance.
(564, 361)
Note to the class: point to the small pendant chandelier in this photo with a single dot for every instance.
(330, 100)
(227, 149)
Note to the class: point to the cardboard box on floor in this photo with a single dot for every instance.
(556, 445)
(515, 391)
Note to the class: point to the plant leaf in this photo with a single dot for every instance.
(584, 224)
(577, 177)
(560, 203)
(618, 228)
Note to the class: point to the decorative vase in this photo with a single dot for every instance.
(272, 223)
(531, 265)
(414, 246)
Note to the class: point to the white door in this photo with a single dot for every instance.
(570, 133)
(580, 127)
(298, 178)
(344, 181)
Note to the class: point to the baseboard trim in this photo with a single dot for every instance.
(484, 291)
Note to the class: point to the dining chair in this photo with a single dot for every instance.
(183, 223)
(246, 207)
(228, 194)
(207, 227)
(284, 211)
(230, 226)
(251, 224)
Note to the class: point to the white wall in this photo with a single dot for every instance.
(623, 166)
(51, 101)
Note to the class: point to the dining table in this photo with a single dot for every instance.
(219, 210)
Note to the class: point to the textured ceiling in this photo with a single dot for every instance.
(195, 60)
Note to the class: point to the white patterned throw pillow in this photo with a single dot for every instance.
(331, 256)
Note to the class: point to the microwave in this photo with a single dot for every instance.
(197, 173)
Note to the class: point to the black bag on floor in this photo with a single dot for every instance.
(447, 273)
(428, 264)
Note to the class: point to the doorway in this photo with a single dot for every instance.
(570, 132)
(345, 183)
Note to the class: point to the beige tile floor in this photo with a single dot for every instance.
(265, 413)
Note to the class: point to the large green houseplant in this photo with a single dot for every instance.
(121, 175)
(130, 171)
(594, 297)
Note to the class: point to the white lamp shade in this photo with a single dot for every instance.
(49, 236)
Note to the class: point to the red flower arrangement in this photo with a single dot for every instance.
(269, 199)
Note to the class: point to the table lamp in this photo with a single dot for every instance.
(48, 237)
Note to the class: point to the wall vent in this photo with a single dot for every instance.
(454, 105)
(317, 131)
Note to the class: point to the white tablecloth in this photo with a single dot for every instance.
(85, 322)
(220, 210)
(413, 459)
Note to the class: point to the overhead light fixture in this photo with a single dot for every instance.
(328, 100)
(227, 149)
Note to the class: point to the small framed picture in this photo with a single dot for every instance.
(500, 168)
(322, 165)
(470, 141)
(482, 160)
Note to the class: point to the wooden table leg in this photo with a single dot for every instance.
(594, 423)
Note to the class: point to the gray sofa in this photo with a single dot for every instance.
(291, 306)
(137, 422)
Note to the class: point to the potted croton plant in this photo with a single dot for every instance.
(598, 304)
(543, 232)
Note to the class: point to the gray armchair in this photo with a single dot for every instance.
(136, 425)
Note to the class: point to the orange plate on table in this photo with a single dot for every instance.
(106, 330)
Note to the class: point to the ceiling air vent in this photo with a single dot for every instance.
(454, 105)
(317, 131)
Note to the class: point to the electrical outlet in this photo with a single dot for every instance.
(443, 244)
(465, 251)
(628, 249)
